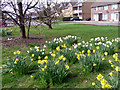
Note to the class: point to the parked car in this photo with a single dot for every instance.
(75, 19)
(88, 19)
(3, 24)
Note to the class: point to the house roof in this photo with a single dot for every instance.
(95, 4)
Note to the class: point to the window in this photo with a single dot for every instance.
(105, 17)
(112, 16)
(96, 8)
(105, 7)
(114, 6)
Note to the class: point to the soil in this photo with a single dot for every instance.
(17, 41)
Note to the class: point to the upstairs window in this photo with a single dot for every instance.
(105, 7)
(114, 6)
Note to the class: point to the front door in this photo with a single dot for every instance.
(100, 16)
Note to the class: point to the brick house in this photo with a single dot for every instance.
(81, 9)
(105, 11)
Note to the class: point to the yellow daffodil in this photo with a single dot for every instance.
(106, 53)
(70, 49)
(32, 55)
(93, 51)
(39, 61)
(64, 59)
(1, 67)
(31, 76)
(97, 47)
(46, 57)
(117, 68)
(112, 65)
(99, 77)
(75, 53)
(53, 55)
(111, 74)
(17, 60)
(93, 84)
(15, 53)
(103, 59)
(45, 61)
(110, 61)
(18, 52)
(57, 62)
(88, 54)
(43, 69)
(94, 64)
(58, 48)
(32, 60)
(67, 67)
(83, 51)
(39, 57)
(103, 81)
(46, 66)
(61, 57)
(88, 51)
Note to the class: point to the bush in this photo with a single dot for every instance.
(20, 65)
(53, 71)
(66, 18)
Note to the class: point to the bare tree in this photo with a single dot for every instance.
(17, 12)
(48, 12)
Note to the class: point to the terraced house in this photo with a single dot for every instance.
(81, 9)
(105, 11)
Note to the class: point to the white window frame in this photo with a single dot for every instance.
(114, 6)
(105, 7)
(105, 17)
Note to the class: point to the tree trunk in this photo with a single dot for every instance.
(22, 28)
(50, 26)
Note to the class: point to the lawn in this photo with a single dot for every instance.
(77, 79)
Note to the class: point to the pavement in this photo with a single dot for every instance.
(104, 23)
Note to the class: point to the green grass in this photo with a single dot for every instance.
(77, 79)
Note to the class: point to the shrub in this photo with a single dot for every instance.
(90, 61)
(66, 18)
(70, 40)
(53, 44)
(20, 65)
(36, 53)
(5, 32)
(53, 70)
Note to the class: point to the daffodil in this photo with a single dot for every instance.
(111, 74)
(94, 64)
(39, 61)
(97, 47)
(53, 55)
(64, 59)
(93, 51)
(39, 57)
(57, 62)
(18, 52)
(43, 69)
(112, 65)
(106, 53)
(99, 77)
(110, 61)
(88, 51)
(31, 76)
(32, 55)
(70, 49)
(46, 66)
(117, 68)
(93, 83)
(1, 67)
(103, 59)
(58, 48)
(17, 60)
(32, 60)
(46, 57)
(67, 67)
(15, 53)
(103, 81)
